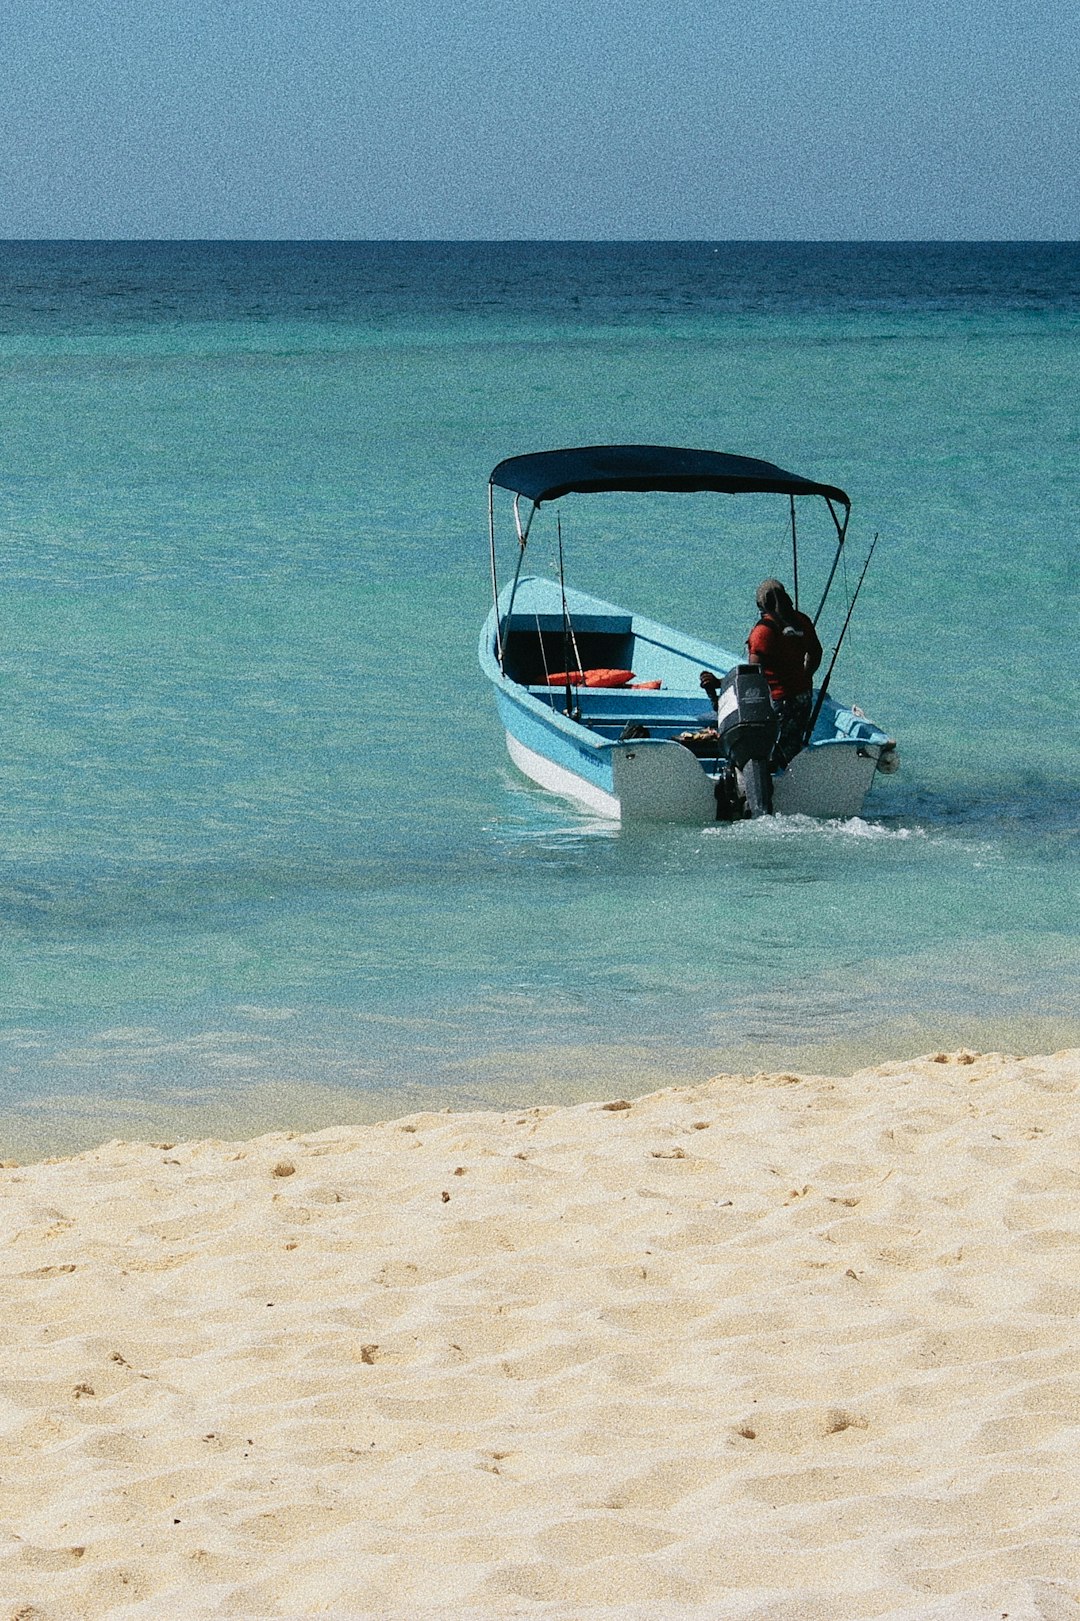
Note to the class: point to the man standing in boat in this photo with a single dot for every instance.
(785, 644)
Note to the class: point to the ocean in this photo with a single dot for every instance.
(265, 861)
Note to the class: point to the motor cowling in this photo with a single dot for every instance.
(745, 718)
(747, 726)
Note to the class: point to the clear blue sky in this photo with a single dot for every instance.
(560, 118)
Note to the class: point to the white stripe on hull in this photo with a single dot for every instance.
(558, 780)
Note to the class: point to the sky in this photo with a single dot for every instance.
(490, 119)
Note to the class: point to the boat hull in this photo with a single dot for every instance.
(827, 783)
(828, 780)
(557, 779)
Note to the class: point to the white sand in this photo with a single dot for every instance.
(802, 1349)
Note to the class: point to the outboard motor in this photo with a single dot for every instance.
(747, 725)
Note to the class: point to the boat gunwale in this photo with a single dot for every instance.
(685, 645)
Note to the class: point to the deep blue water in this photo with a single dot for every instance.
(81, 287)
(265, 861)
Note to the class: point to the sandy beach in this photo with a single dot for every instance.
(774, 1348)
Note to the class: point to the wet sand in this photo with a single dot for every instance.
(774, 1348)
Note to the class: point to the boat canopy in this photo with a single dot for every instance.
(548, 474)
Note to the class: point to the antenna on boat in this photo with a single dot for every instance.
(823, 689)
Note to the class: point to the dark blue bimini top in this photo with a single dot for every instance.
(551, 473)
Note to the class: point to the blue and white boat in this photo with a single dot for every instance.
(613, 748)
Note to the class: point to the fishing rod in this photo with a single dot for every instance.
(823, 689)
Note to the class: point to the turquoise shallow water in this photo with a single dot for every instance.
(265, 861)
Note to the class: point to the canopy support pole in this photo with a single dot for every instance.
(494, 577)
(794, 555)
(569, 639)
(523, 536)
(841, 530)
(824, 688)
